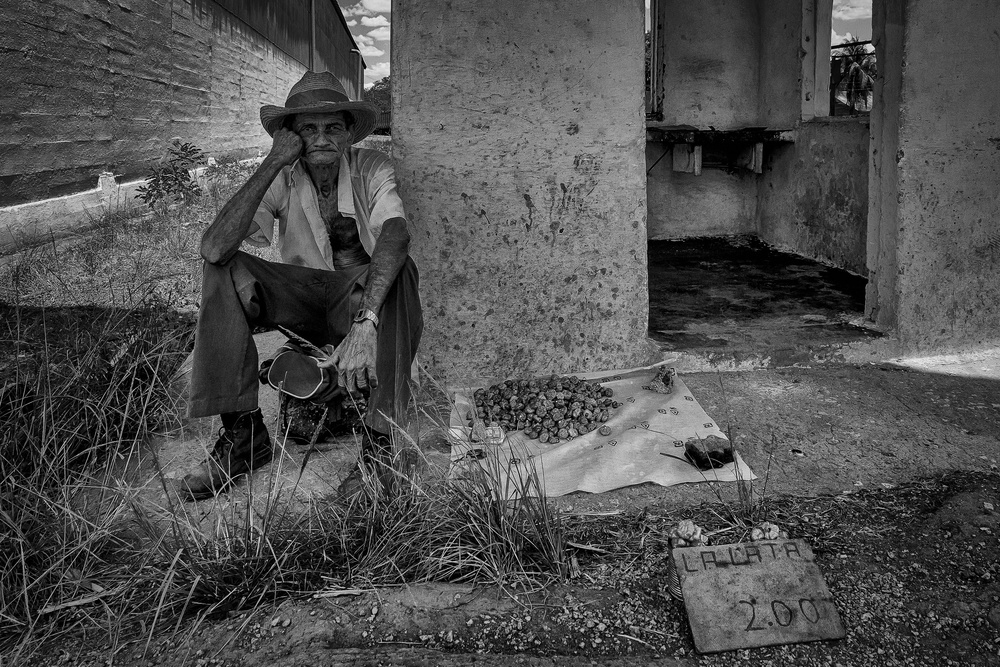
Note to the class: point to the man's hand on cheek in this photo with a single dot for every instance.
(287, 146)
(354, 359)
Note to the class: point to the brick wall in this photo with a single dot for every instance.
(97, 85)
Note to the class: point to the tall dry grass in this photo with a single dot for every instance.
(81, 389)
(94, 330)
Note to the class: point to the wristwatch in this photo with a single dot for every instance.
(365, 314)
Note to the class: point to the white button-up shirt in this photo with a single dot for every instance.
(366, 191)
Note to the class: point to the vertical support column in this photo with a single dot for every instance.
(519, 134)
(817, 20)
(654, 98)
(312, 35)
(359, 79)
(934, 246)
(881, 298)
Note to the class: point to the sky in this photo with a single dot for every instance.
(369, 21)
(852, 21)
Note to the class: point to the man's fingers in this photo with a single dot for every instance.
(364, 378)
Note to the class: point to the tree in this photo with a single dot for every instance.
(380, 94)
(857, 74)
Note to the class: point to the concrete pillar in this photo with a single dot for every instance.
(934, 243)
(817, 19)
(518, 130)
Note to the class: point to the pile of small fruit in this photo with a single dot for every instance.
(549, 410)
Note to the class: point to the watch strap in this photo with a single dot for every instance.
(366, 314)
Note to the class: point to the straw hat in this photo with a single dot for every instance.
(319, 92)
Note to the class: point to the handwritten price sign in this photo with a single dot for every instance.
(755, 594)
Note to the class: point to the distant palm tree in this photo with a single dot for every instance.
(857, 74)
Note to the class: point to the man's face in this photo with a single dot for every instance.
(325, 136)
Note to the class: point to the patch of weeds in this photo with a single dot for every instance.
(132, 570)
(120, 262)
(408, 530)
(751, 507)
(79, 389)
(227, 174)
(170, 181)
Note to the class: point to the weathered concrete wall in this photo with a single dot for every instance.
(90, 86)
(519, 138)
(780, 65)
(728, 64)
(814, 193)
(710, 54)
(812, 200)
(680, 205)
(937, 228)
(711, 51)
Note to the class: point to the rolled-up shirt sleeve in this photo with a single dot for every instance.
(262, 231)
(383, 200)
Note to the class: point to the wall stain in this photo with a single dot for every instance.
(531, 212)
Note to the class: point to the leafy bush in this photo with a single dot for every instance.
(170, 181)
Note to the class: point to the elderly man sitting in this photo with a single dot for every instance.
(345, 279)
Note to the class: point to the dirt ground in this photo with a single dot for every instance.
(890, 474)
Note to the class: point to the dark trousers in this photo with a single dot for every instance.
(318, 305)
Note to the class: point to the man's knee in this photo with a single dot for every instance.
(239, 275)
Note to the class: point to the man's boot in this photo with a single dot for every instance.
(375, 462)
(243, 446)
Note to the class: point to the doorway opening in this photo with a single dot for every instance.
(718, 289)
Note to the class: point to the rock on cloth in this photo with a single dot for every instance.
(646, 443)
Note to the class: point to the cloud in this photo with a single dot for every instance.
(375, 21)
(358, 10)
(352, 23)
(376, 72)
(380, 34)
(851, 10)
(370, 51)
(382, 6)
(836, 39)
(364, 40)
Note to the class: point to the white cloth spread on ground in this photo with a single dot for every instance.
(646, 443)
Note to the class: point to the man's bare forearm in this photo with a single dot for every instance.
(388, 257)
(223, 237)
